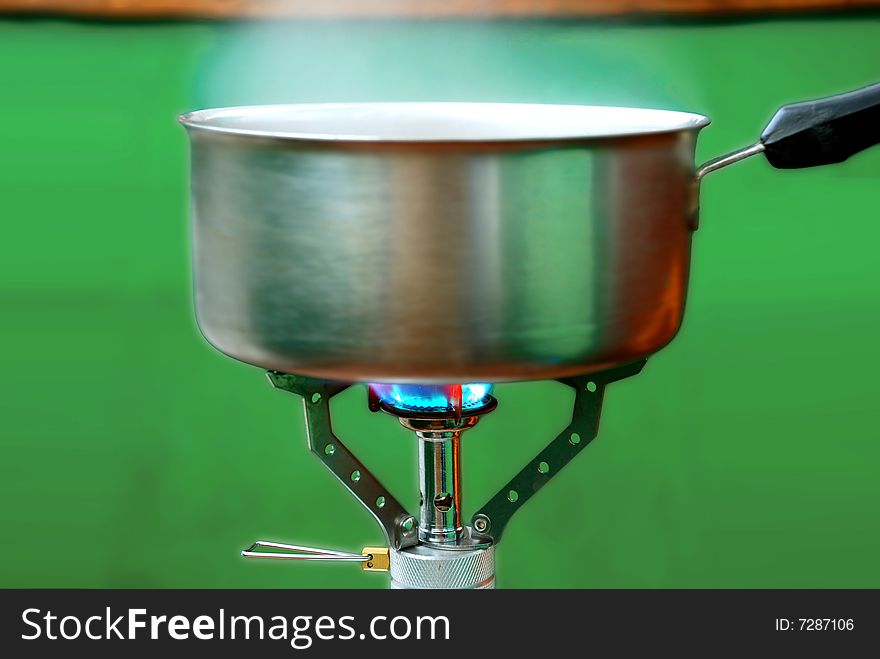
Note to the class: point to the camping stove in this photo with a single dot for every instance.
(432, 242)
(435, 550)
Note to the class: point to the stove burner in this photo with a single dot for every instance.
(432, 399)
(437, 549)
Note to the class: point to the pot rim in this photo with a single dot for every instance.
(439, 122)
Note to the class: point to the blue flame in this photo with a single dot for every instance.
(431, 397)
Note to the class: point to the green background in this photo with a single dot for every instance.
(133, 454)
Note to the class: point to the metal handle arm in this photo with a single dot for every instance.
(299, 553)
(372, 559)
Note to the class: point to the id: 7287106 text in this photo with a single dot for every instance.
(814, 624)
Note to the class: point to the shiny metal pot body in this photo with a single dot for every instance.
(441, 261)
(454, 242)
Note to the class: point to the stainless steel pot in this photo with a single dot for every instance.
(437, 242)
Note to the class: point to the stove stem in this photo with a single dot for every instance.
(439, 487)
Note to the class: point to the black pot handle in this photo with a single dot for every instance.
(814, 133)
(823, 132)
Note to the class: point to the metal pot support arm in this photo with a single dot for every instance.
(399, 526)
(491, 519)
